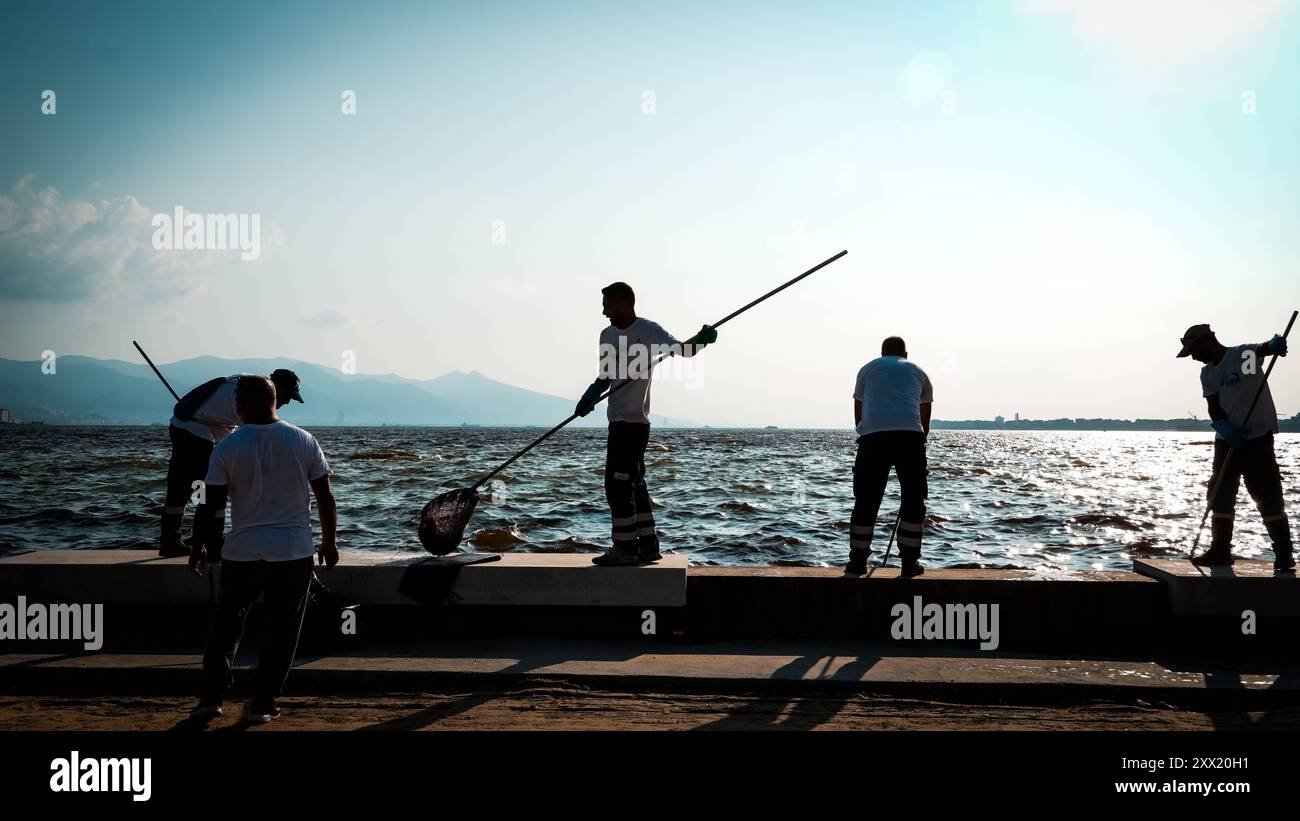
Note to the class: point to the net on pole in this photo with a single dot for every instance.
(444, 519)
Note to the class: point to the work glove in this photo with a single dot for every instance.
(1277, 345)
(1230, 434)
(588, 401)
(706, 336)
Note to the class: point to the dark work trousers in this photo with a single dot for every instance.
(284, 585)
(625, 488)
(1257, 464)
(188, 464)
(904, 452)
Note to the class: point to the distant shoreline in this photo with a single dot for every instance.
(1291, 425)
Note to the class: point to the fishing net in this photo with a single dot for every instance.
(443, 520)
(325, 607)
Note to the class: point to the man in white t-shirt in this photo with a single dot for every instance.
(628, 347)
(201, 418)
(1230, 379)
(269, 470)
(892, 399)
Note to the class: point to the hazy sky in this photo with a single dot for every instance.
(1039, 196)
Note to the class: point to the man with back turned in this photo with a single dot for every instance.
(891, 409)
(1229, 381)
(269, 469)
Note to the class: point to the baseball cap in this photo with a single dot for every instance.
(1194, 334)
(284, 376)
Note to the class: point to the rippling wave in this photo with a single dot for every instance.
(1038, 500)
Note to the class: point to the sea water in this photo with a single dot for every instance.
(1041, 500)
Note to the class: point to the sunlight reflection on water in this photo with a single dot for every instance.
(1050, 501)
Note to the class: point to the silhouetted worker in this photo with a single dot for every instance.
(627, 347)
(203, 417)
(269, 468)
(1229, 380)
(891, 408)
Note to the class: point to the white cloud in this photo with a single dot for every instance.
(63, 249)
(329, 318)
(1165, 31)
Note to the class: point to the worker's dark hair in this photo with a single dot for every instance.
(619, 290)
(893, 346)
(256, 390)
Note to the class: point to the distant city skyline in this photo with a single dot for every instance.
(1040, 196)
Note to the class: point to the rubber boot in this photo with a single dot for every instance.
(859, 548)
(1220, 552)
(647, 548)
(857, 563)
(909, 548)
(911, 565)
(1283, 558)
(1279, 530)
(169, 543)
(617, 556)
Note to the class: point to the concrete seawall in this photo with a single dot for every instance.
(153, 602)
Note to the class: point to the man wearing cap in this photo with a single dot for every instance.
(1229, 381)
(201, 419)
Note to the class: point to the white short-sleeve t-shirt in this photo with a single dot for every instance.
(1236, 389)
(627, 353)
(891, 391)
(268, 470)
(217, 417)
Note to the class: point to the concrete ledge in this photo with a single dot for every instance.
(103, 577)
(1225, 591)
(154, 603)
(522, 579)
(1088, 610)
(527, 579)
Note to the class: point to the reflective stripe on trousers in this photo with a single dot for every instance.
(631, 519)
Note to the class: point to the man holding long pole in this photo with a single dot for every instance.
(1244, 420)
(444, 518)
(629, 346)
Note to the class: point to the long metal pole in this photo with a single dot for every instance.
(1227, 460)
(155, 368)
(626, 382)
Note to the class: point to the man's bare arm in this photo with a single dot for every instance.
(925, 417)
(857, 412)
(1216, 410)
(329, 520)
(206, 522)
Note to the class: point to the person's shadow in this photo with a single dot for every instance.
(440, 712)
(789, 709)
(1264, 712)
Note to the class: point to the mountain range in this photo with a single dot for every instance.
(86, 390)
